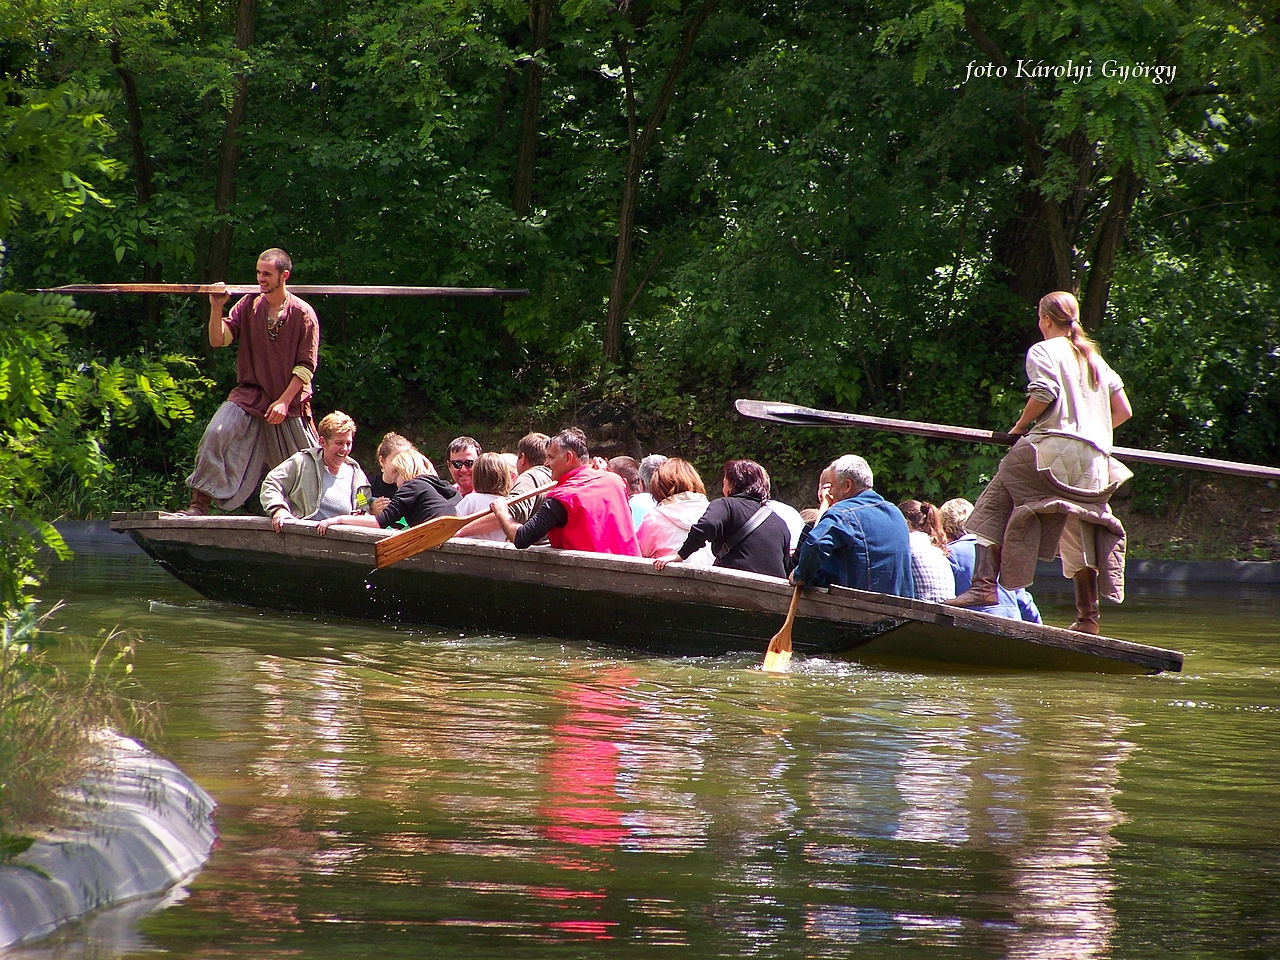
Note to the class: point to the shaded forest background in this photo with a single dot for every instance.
(816, 202)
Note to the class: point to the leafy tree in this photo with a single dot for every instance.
(56, 405)
(1095, 96)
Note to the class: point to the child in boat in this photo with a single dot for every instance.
(492, 480)
(930, 570)
(420, 495)
(392, 443)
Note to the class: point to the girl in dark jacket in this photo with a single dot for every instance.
(743, 532)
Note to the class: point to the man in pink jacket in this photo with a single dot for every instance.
(587, 509)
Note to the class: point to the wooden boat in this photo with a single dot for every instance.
(492, 587)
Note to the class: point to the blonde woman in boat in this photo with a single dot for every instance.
(319, 482)
(420, 495)
(1050, 496)
(491, 479)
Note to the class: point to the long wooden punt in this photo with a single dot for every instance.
(482, 585)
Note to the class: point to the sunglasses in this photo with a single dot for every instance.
(462, 464)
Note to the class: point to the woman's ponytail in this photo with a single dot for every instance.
(1063, 310)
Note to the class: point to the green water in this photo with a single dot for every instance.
(403, 793)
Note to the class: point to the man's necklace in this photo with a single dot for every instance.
(274, 323)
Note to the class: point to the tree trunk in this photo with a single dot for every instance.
(1040, 246)
(1125, 186)
(638, 146)
(143, 187)
(526, 153)
(224, 195)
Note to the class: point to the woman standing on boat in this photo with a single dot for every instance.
(1050, 495)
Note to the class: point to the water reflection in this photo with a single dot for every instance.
(386, 795)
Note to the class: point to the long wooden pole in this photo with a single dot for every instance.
(808, 417)
(302, 289)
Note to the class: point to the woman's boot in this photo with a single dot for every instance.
(1086, 582)
(986, 569)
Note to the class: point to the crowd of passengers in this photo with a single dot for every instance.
(552, 491)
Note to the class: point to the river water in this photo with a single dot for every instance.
(405, 793)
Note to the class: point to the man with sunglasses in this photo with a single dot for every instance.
(463, 453)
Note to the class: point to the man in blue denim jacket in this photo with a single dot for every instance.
(861, 541)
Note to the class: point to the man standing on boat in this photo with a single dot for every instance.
(587, 509)
(860, 541)
(267, 417)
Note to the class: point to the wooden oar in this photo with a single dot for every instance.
(302, 289)
(778, 657)
(433, 532)
(808, 417)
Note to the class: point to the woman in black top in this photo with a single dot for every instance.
(420, 495)
(765, 548)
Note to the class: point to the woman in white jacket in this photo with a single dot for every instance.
(682, 500)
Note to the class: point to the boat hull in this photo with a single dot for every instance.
(491, 587)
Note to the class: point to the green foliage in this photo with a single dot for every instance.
(49, 713)
(825, 217)
(1197, 338)
(55, 412)
(46, 136)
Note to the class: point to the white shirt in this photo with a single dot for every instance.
(474, 503)
(1073, 437)
(791, 517)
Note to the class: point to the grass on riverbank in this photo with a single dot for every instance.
(49, 714)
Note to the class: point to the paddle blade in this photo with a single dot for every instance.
(425, 536)
(777, 659)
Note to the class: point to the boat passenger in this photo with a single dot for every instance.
(1011, 604)
(513, 465)
(463, 452)
(860, 541)
(531, 462)
(420, 495)
(638, 496)
(320, 482)
(392, 443)
(681, 500)
(930, 571)
(791, 517)
(267, 416)
(492, 480)
(587, 509)
(743, 532)
(648, 466)
(1050, 496)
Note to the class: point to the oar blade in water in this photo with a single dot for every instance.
(777, 659)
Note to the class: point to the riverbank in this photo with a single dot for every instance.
(145, 828)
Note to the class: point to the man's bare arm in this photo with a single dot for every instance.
(219, 332)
